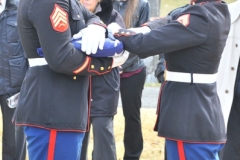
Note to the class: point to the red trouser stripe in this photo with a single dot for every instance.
(51, 146)
(181, 150)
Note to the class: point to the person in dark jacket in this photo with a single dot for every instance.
(13, 66)
(53, 100)
(133, 75)
(189, 112)
(228, 86)
(105, 94)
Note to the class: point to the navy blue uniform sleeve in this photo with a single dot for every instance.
(165, 20)
(192, 31)
(158, 22)
(54, 32)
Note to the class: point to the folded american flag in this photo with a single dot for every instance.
(110, 48)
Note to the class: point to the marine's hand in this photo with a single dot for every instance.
(93, 37)
(160, 77)
(159, 72)
(113, 27)
(119, 60)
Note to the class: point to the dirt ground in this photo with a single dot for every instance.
(153, 145)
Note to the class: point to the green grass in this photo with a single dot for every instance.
(168, 5)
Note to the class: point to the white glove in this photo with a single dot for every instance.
(93, 37)
(113, 27)
(142, 30)
(13, 100)
(120, 59)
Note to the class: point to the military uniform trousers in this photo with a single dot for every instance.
(52, 144)
(192, 151)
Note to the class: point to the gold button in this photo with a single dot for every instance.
(101, 68)
(109, 67)
(74, 77)
(92, 66)
(226, 91)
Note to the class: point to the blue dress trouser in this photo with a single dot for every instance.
(179, 150)
(44, 144)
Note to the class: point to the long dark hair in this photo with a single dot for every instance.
(131, 7)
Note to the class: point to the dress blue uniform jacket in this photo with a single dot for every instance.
(193, 43)
(56, 95)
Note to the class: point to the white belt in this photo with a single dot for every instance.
(37, 62)
(190, 77)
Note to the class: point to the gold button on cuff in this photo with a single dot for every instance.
(109, 67)
(101, 68)
(92, 66)
(74, 77)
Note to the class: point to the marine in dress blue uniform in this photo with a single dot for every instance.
(189, 112)
(53, 102)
